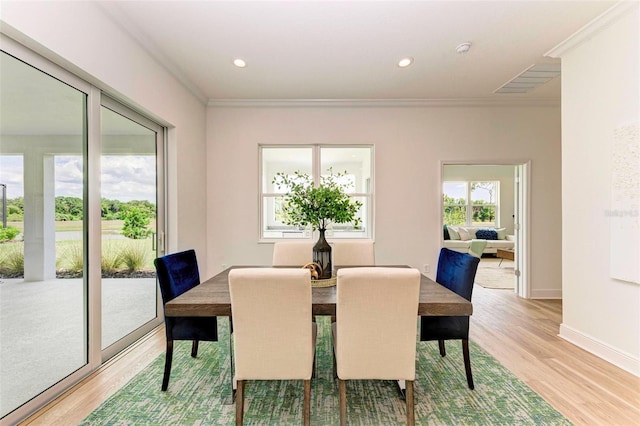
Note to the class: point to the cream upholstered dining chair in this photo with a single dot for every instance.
(274, 337)
(292, 253)
(354, 253)
(375, 332)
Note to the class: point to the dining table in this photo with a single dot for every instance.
(211, 298)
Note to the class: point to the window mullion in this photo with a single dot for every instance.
(316, 164)
(469, 218)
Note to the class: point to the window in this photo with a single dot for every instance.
(315, 161)
(471, 203)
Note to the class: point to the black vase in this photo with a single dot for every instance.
(322, 255)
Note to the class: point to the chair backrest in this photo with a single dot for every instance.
(292, 253)
(457, 271)
(177, 273)
(272, 323)
(476, 247)
(376, 312)
(354, 253)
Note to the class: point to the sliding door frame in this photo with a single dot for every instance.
(132, 115)
(95, 357)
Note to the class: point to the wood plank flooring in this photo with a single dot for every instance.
(521, 334)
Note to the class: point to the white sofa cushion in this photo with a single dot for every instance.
(465, 235)
(453, 232)
(491, 248)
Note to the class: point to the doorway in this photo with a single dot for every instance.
(494, 196)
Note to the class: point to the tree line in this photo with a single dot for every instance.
(455, 211)
(71, 208)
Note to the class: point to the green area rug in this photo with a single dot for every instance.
(199, 393)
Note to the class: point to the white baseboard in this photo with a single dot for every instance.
(590, 344)
(545, 294)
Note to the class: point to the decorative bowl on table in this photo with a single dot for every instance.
(315, 270)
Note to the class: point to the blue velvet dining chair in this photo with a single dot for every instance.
(177, 273)
(457, 272)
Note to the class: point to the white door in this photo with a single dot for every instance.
(521, 229)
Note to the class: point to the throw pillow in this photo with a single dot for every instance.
(472, 232)
(502, 233)
(446, 233)
(464, 234)
(486, 234)
(453, 232)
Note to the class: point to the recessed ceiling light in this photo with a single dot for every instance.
(240, 63)
(405, 62)
(463, 47)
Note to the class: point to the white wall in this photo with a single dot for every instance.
(80, 36)
(502, 174)
(410, 143)
(600, 92)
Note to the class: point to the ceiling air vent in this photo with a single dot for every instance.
(530, 78)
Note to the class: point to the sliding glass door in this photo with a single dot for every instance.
(43, 287)
(129, 214)
(82, 213)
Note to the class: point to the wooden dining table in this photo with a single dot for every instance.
(211, 298)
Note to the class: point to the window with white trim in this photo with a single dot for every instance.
(355, 161)
(473, 203)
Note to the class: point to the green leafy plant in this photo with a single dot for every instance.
(74, 258)
(12, 261)
(134, 257)
(8, 233)
(317, 206)
(135, 225)
(110, 260)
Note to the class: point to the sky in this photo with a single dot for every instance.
(459, 190)
(123, 178)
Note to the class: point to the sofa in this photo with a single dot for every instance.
(459, 238)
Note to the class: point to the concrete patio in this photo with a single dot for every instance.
(43, 329)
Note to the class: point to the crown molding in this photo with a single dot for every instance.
(113, 11)
(597, 24)
(324, 103)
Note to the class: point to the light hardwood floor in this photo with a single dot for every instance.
(521, 334)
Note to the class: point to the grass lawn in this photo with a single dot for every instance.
(116, 252)
(108, 226)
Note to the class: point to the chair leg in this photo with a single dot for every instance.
(411, 417)
(335, 367)
(240, 402)
(467, 362)
(231, 362)
(307, 402)
(313, 368)
(343, 402)
(167, 365)
(333, 356)
(443, 351)
(194, 349)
